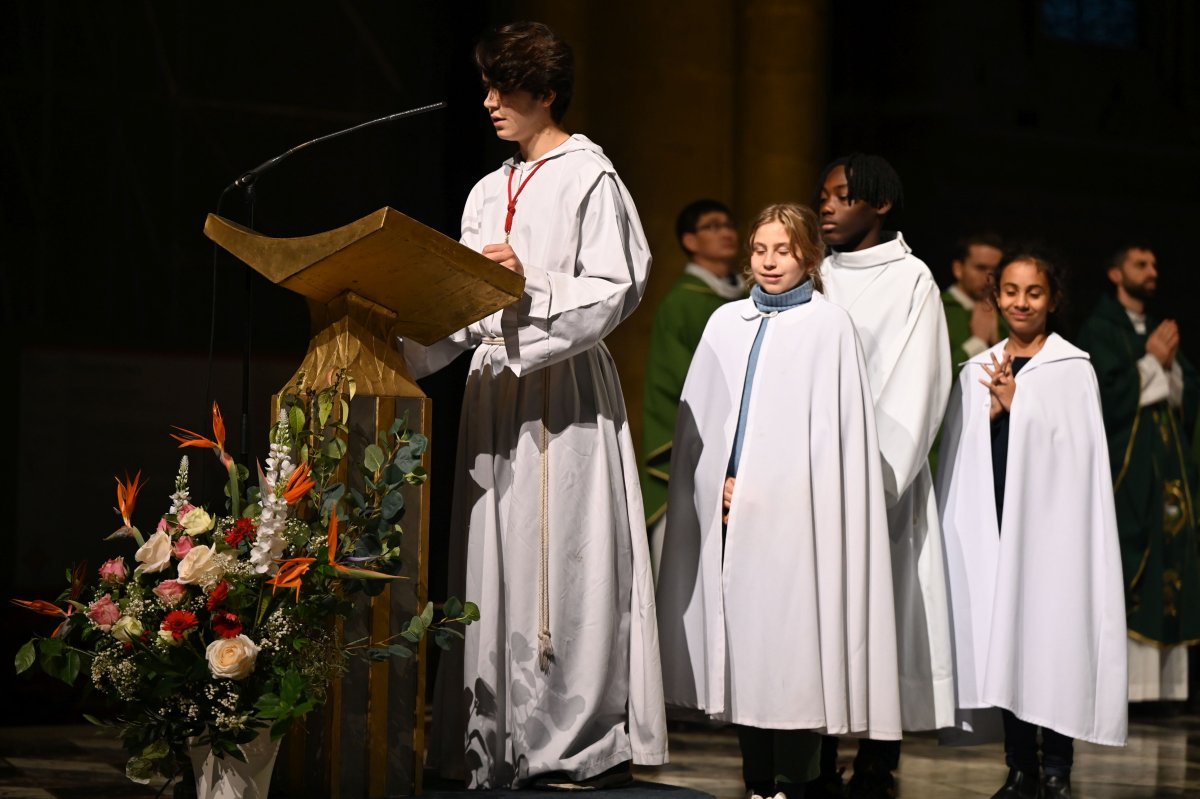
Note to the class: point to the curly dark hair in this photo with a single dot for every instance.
(528, 56)
(1056, 280)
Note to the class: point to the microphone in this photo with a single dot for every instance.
(247, 179)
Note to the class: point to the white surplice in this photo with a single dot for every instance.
(1038, 604)
(897, 309)
(786, 622)
(542, 373)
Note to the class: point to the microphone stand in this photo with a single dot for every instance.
(246, 181)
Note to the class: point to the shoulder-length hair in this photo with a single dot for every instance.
(804, 237)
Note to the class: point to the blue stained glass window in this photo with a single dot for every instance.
(1109, 23)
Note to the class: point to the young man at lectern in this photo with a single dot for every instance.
(559, 683)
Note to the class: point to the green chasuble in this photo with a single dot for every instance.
(678, 324)
(1154, 481)
(958, 325)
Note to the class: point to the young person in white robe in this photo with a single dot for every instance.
(897, 310)
(1026, 502)
(559, 683)
(774, 595)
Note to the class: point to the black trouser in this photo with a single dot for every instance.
(770, 757)
(879, 756)
(1021, 748)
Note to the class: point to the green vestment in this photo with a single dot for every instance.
(1154, 481)
(678, 325)
(958, 325)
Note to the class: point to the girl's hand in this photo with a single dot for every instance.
(1001, 384)
(503, 254)
(727, 498)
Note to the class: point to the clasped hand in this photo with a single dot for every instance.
(1001, 383)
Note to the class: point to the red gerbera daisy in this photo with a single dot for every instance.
(178, 622)
(226, 624)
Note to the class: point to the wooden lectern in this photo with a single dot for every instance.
(367, 282)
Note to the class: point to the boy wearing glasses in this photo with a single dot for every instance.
(708, 237)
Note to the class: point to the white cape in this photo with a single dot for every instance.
(792, 625)
(897, 310)
(541, 368)
(1038, 606)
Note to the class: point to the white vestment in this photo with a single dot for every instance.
(541, 374)
(786, 622)
(897, 310)
(1038, 605)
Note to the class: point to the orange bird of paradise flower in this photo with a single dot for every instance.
(126, 501)
(298, 484)
(291, 573)
(190, 439)
(50, 609)
(349, 571)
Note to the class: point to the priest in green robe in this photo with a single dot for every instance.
(972, 321)
(1149, 393)
(708, 236)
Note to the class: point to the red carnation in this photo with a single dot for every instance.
(242, 530)
(219, 595)
(178, 622)
(226, 624)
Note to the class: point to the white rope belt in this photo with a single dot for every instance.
(545, 647)
(493, 340)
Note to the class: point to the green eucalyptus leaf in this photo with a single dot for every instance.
(395, 428)
(453, 607)
(400, 651)
(405, 460)
(470, 611)
(336, 449)
(324, 407)
(139, 770)
(418, 444)
(373, 458)
(26, 657)
(295, 419)
(157, 750)
(392, 504)
(427, 614)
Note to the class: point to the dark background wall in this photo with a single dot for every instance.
(1074, 122)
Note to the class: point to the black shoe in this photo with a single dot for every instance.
(826, 786)
(1019, 785)
(1056, 788)
(872, 784)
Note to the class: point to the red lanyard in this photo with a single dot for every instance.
(512, 198)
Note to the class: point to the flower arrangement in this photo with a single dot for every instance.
(216, 627)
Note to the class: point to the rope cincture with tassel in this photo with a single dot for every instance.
(545, 645)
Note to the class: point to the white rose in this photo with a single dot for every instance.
(167, 637)
(127, 629)
(155, 554)
(232, 658)
(201, 566)
(196, 521)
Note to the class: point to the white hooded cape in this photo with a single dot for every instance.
(791, 626)
(1038, 607)
(541, 368)
(897, 310)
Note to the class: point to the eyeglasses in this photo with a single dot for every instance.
(725, 224)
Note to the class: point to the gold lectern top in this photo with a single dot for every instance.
(432, 284)
(381, 276)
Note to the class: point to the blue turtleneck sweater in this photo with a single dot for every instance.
(769, 306)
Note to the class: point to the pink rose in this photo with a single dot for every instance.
(104, 612)
(170, 592)
(183, 546)
(163, 527)
(113, 571)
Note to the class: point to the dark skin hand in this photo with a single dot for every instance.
(848, 226)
